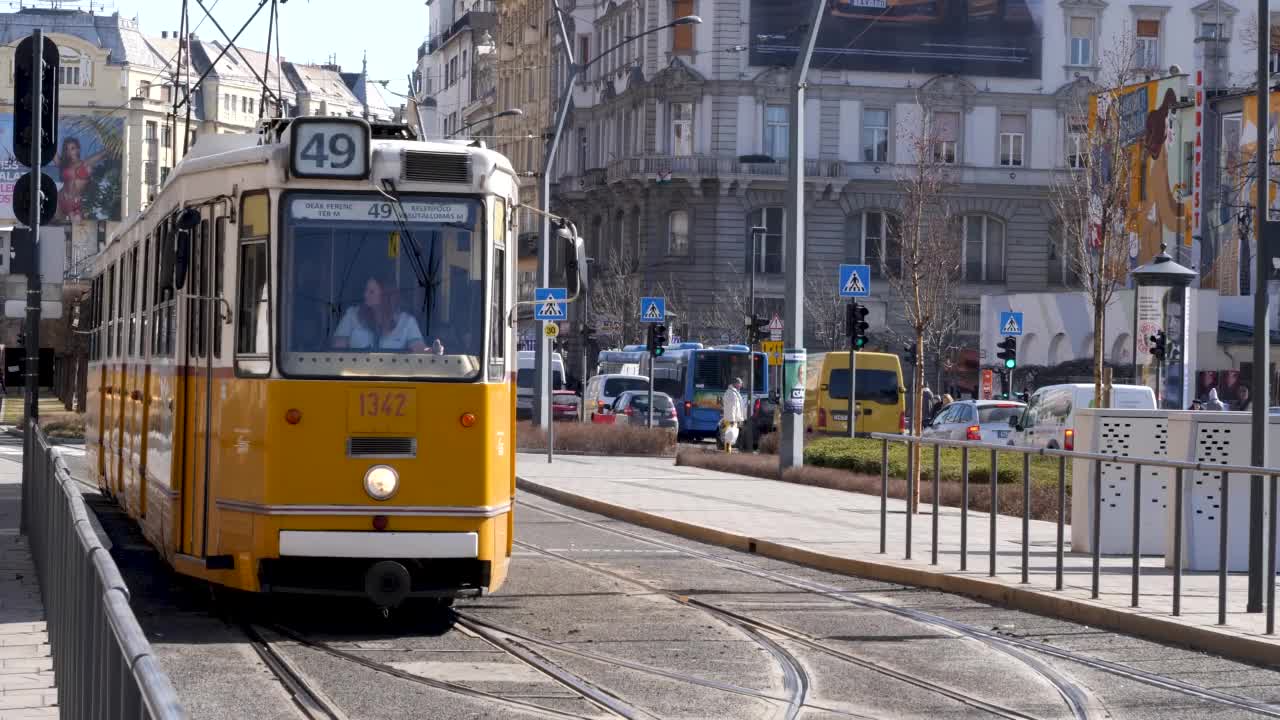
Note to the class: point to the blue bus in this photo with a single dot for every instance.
(696, 378)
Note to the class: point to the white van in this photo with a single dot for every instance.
(1049, 420)
(524, 380)
(603, 389)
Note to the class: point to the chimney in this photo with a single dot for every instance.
(164, 34)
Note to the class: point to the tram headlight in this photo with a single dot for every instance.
(381, 481)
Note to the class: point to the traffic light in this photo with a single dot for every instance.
(660, 340)
(855, 321)
(909, 354)
(1008, 353)
(24, 98)
(757, 329)
(1159, 345)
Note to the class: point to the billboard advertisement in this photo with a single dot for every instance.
(995, 38)
(88, 168)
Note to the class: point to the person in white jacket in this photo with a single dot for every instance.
(734, 409)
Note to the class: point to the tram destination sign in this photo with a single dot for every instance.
(379, 211)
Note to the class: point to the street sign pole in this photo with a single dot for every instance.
(650, 418)
(853, 382)
(1264, 230)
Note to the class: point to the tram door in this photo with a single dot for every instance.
(197, 376)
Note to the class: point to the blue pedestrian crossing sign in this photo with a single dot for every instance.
(653, 309)
(1010, 323)
(550, 304)
(855, 280)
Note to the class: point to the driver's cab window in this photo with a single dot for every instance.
(1032, 411)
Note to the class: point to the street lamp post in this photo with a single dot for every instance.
(757, 232)
(513, 112)
(542, 359)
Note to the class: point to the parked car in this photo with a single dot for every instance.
(1049, 419)
(525, 381)
(632, 408)
(978, 420)
(566, 405)
(603, 389)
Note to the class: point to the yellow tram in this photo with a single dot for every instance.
(302, 363)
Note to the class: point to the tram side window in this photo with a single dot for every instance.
(111, 310)
(133, 302)
(145, 306)
(498, 317)
(219, 257)
(253, 306)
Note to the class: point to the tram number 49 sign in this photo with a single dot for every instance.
(329, 148)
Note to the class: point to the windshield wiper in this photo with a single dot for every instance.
(427, 277)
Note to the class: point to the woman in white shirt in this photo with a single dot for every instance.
(378, 324)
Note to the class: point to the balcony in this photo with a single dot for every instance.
(482, 15)
(698, 167)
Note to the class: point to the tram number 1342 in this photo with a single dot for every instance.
(391, 404)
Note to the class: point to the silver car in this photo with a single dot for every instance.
(632, 408)
(978, 420)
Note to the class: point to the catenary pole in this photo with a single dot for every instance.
(791, 449)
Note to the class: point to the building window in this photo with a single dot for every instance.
(144, 89)
(946, 137)
(983, 249)
(1077, 128)
(776, 131)
(1081, 41)
(1147, 49)
(164, 174)
(1212, 31)
(876, 240)
(681, 128)
(767, 248)
(875, 135)
(678, 233)
(150, 132)
(464, 63)
(1013, 139)
(1061, 270)
(228, 103)
(682, 35)
(166, 136)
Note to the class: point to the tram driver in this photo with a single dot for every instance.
(379, 324)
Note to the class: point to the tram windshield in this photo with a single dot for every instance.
(370, 292)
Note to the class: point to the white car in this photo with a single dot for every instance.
(1050, 418)
(977, 420)
(602, 390)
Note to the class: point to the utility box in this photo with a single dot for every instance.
(1215, 437)
(1129, 433)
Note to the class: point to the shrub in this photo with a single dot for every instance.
(863, 455)
(593, 439)
(1044, 498)
(60, 426)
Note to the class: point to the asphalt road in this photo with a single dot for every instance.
(603, 619)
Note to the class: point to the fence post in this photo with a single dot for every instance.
(1026, 518)
(937, 482)
(964, 509)
(1137, 532)
(995, 502)
(911, 479)
(884, 495)
(1225, 493)
(1097, 525)
(1062, 518)
(1177, 542)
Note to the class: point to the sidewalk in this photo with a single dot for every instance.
(27, 688)
(839, 531)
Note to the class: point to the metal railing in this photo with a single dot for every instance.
(101, 658)
(1180, 467)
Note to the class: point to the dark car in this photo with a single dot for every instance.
(632, 408)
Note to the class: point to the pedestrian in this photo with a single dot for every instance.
(1213, 403)
(734, 413)
(1196, 405)
(926, 402)
(947, 399)
(1244, 403)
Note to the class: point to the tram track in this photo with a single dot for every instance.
(312, 703)
(1076, 697)
(760, 631)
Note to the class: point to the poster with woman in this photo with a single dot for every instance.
(87, 168)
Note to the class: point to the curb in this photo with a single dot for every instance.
(1228, 643)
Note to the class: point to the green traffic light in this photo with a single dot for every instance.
(1011, 363)
(657, 352)
(859, 342)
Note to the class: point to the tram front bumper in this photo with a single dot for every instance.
(385, 567)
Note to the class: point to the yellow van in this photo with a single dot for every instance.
(881, 395)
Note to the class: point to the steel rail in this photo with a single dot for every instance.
(1072, 690)
(738, 620)
(311, 702)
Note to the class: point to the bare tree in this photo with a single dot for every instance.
(1094, 201)
(723, 320)
(615, 298)
(925, 270)
(824, 309)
